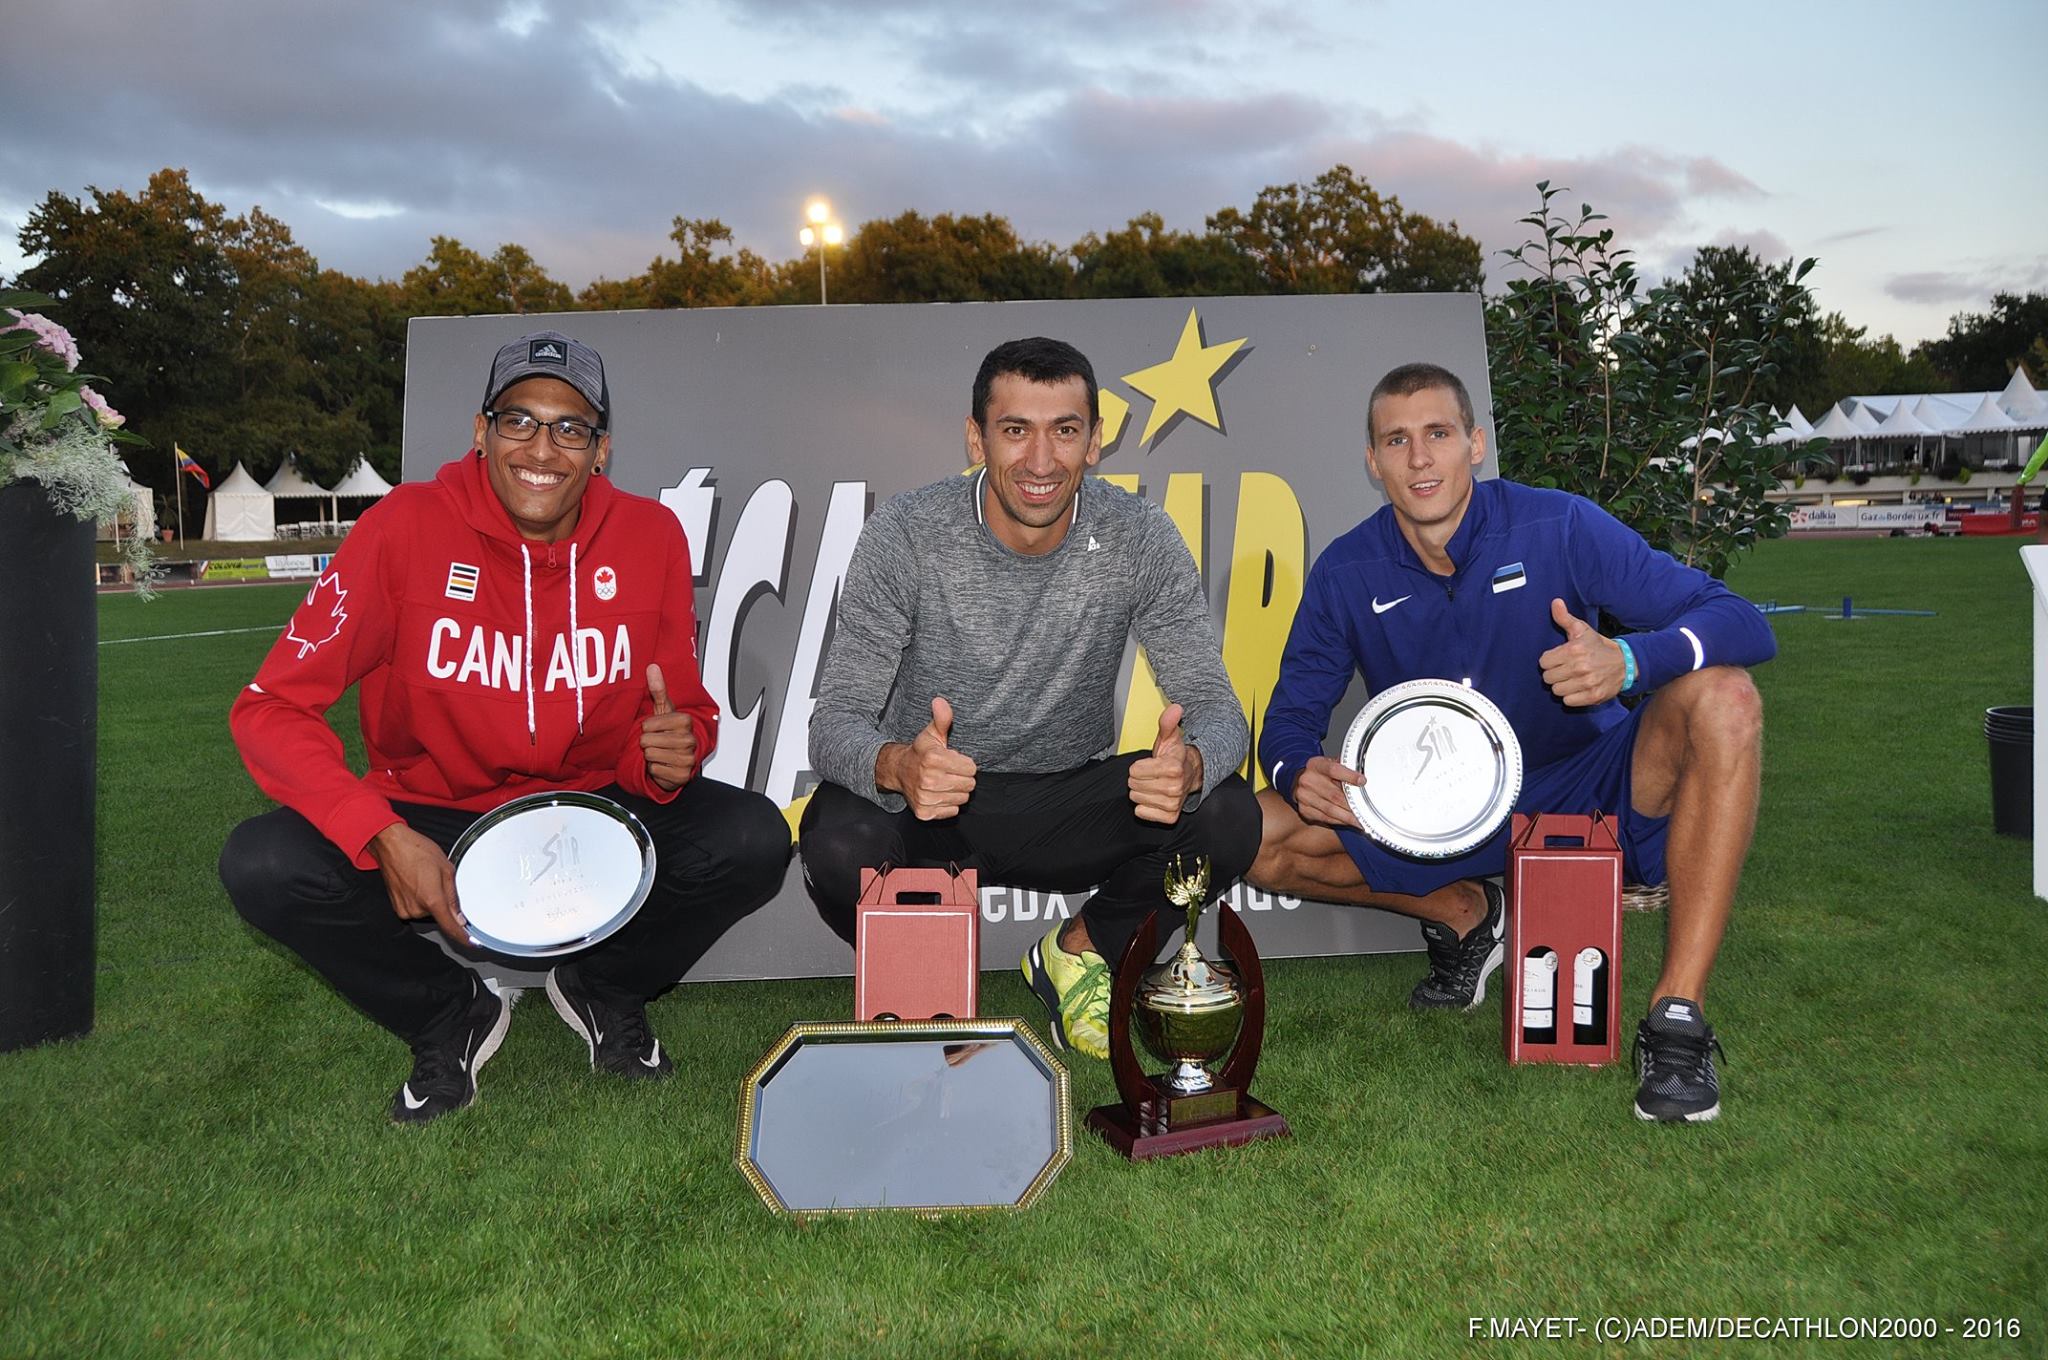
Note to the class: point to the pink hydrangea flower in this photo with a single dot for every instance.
(49, 336)
(108, 417)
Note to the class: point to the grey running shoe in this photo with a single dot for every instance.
(1674, 1053)
(1458, 969)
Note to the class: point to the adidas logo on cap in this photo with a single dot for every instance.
(545, 352)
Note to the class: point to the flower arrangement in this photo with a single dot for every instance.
(56, 431)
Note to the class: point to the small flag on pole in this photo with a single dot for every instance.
(187, 463)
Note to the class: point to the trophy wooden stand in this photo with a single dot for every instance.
(1153, 1120)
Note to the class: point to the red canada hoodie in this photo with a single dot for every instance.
(460, 633)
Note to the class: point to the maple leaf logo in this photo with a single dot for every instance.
(319, 619)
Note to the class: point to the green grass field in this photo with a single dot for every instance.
(211, 1173)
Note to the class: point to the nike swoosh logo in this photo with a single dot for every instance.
(412, 1102)
(1379, 608)
(653, 1059)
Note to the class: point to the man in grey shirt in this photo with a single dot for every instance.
(967, 709)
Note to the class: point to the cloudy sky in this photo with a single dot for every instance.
(1901, 144)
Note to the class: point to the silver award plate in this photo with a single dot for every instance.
(1442, 768)
(552, 873)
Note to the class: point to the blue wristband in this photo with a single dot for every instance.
(1628, 665)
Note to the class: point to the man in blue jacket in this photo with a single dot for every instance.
(1498, 585)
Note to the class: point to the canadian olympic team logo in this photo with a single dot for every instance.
(606, 581)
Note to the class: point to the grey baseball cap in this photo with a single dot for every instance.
(551, 354)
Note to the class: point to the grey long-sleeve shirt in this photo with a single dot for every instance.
(1026, 649)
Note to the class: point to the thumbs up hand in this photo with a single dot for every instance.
(1162, 781)
(933, 778)
(668, 739)
(1586, 668)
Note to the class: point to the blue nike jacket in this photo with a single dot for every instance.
(1370, 606)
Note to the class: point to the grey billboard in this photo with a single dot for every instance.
(773, 432)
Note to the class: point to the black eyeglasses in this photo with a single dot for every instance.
(567, 433)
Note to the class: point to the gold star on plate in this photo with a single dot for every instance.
(1186, 382)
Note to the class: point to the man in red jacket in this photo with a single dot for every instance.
(516, 625)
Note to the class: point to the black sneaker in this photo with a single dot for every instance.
(1674, 1054)
(445, 1063)
(1458, 969)
(619, 1038)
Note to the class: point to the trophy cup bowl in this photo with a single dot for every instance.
(1188, 1013)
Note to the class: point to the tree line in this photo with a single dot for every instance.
(224, 335)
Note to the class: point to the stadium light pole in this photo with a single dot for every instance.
(821, 232)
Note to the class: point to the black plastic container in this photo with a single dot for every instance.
(2010, 730)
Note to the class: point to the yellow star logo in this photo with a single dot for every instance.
(1114, 410)
(1186, 382)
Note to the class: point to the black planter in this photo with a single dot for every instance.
(49, 715)
(2011, 734)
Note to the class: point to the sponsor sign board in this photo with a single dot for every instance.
(773, 432)
(235, 569)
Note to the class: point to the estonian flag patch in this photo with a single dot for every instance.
(1510, 577)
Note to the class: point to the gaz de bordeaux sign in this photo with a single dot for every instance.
(773, 433)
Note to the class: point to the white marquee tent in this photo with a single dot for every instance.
(290, 484)
(361, 487)
(1996, 427)
(239, 510)
(140, 519)
(1836, 426)
(362, 480)
(1988, 418)
(2022, 402)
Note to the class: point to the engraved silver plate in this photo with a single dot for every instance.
(552, 873)
(1442, 768)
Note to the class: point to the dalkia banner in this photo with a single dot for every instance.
(772, 433)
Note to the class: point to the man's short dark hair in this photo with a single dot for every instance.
(1038, 359)
(1409, 379)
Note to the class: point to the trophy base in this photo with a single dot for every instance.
(1150, 1130)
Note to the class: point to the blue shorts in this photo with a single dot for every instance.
(1594, 778)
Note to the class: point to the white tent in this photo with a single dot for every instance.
(1837, 426)
(1939, 418)
(290, 484)
(2021, 401)
(1900, 424)
(1791, 428)
(362, 480)
(1988, 418)
(138, 517)
(361, 488)
(1860, 416)
(240, 511)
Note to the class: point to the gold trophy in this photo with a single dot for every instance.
(1188, 1009)
(1191, 1012)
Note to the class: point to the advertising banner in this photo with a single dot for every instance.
(235, 569)
(1866, 518)
(294, 566)
(773, 432)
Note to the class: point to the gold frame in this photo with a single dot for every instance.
(992, 1029)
